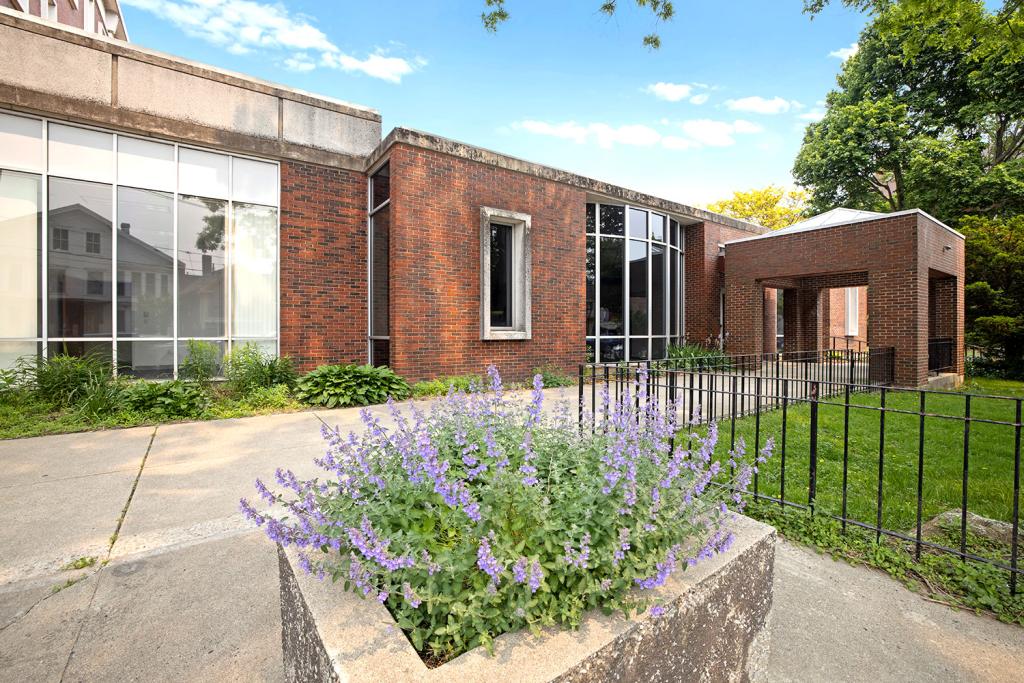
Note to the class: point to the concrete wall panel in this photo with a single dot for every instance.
(330, 130)
(42, 65)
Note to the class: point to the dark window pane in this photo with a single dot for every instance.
(201, 281)
(148, 359)
(658, 285)
(657, 227)
(501, 275)
(674, 292)
(591, 280)
(613, 350)
(637, 287)
(145, 249)
(381, 286)
(613, 220)
(659, 348)
(637, 223)
(591, 218)
(673, 233)
(590, 351)
(20, 255)
(612, 286)
(380, 186)
(380, 352)
(100, 349)
(638, 348)
(80, 291)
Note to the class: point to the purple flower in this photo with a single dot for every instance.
(578, 558)
(486, 561)
(410, 595)
(519, 570)
(536, 576)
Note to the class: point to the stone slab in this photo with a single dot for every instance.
(836, 622)
(36, 57)
(714, 628)
(39, 629)
(304, 124)
(65, 456)
(207, 612)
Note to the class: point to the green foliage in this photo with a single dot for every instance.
(922, 121)
(663, 10)
(442, 385)
(939, 576)
(79, 563)
(167, 400)
(63, 379)
(339, 386)
(552, 376)
(248, 369)
(101, 398)
(693, 356)
(771, 206)
(201, 363)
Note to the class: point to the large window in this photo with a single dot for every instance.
(634, 283)
(127, 248)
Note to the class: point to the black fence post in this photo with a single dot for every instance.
(1016, 502)
(963, 491)
(812, 488)
(581, 399)
(881, 467)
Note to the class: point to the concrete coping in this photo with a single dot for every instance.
(598, 188)
(715, 627)
(863, 219)
(120, 48)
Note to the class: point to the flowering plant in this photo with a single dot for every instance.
(484, 515)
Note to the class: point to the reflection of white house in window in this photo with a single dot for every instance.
(852, 311)
(60, 239)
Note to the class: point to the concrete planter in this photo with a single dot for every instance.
(714, 628)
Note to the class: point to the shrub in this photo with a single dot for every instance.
(552, 376)
(697, 357)
(201, 363)
(269, 398)
(247, 368)
(64, 379)
(167, 400)
(486, 516)
(442, 385)
(101, 398)
(338, 386)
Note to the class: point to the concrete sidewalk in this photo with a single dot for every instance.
(189, 591)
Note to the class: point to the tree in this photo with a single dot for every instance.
(770, 206)
(947, 23)
(662, 10)
(940, 127)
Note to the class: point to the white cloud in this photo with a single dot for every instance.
(845, 53)
(247, 26)
(677, 92)
(670, 92)
(761, 105)
(815, 114)
(696, 133)
(709, 133)
(604, 135)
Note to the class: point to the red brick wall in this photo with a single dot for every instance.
(435, 267)
(837, 313)
(896, 255)
(323, 265)
(704, 277)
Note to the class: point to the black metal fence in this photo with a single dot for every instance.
(860, 452)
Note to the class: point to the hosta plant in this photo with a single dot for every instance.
(483, 516)
(339, 386)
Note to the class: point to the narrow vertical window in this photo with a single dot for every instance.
(852, 311)
(501, 275)
(380, 266)
(504, 274)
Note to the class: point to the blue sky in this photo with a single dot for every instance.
(720, 107)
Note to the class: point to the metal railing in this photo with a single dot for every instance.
(940, 354)
(834, 436)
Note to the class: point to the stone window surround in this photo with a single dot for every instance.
(522, 269)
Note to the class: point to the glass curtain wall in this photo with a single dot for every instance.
(634, 283)
(126, 248)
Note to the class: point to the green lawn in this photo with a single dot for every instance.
(991, 454)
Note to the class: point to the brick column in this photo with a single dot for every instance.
(744, 306)
(897, 308)
(769, 305)
(942, 316)
(802, 319)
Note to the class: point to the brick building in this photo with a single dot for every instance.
(133, 219)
